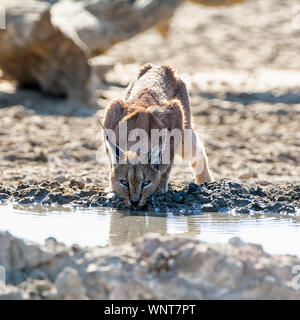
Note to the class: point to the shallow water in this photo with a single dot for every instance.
(101, 227)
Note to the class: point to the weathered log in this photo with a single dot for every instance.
(101, 23)
(48, 46)
(38, 54)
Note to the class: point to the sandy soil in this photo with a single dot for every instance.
(242, 68)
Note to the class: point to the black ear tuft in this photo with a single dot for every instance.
(149, 157)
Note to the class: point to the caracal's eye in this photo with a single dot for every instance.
(146, 183)
(124, 183)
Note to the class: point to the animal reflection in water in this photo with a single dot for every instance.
(101, 226)
(128, 227)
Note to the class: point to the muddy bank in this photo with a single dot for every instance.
(152, 268)
(218, 196)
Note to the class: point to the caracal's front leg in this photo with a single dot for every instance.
(198, 158)
(201, 172)
(164, 180)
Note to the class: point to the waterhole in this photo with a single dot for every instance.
(104, 227)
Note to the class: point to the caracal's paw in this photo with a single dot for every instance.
(205, 177)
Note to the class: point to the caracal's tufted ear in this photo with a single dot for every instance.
(114, 114)
(115, 153)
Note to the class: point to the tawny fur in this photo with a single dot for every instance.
(155, 99)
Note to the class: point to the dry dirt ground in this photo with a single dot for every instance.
(242, 68)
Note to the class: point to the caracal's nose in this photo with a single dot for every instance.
(134, 204)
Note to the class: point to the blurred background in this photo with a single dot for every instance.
(61, 62)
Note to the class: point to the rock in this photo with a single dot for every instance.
(209, 208)
(153, 267)
(18, 256)
(247, 175)
(69, 286)
(76, 184)
(11, 293)
(236, 241)
(62, 178)
(242, 211)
